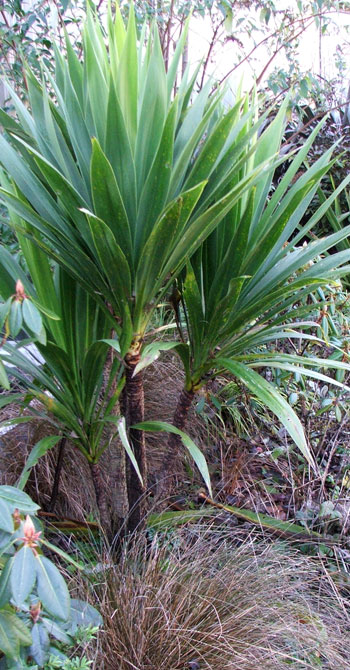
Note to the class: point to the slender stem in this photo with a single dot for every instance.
(211, 46)
(58, 470)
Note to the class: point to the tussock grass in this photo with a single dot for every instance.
(198, 600)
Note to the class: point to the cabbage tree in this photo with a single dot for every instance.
(245, 289)
(120, 180)
(77, 392)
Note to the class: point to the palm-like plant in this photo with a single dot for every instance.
(120, 181)
(70, 381)
(245, 287)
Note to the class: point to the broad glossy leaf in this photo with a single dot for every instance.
(192, 118)
(6, 518)
(183, 158)
(23, 575)
(15, 498)
(5, 586)
(5, 308)
(75, 69)
(31, 316)
(63, 249)
(56, 631)
(267, 147)
(212, 147)
(29, 184)
(83, 614)
(201, 227)
(15, 318)
(39, 649)
(13, 634)
(52, 589)
(95, 71)
(76, 125)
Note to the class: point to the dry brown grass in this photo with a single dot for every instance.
(200, 601)
(76, 494)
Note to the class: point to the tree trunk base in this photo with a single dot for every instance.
(135, 414)
(174, 444)
(101, 500)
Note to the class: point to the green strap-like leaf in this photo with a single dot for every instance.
(127, 446)
(195, 307)
(195, 452)
(212, 147)
(152, 113)
(119, 153)
(155, 190)
(4, 381)
(39, 450)
(150, 274)
(112, 261)
(127, 78)
(272, 399)
(108, 203)
(151, 353)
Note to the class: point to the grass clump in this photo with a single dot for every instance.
(202, 601)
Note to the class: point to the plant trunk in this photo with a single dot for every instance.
(117, 487)
(135, 414)
(115, 461)
(101, 499)
(58, 470)
(166, 482)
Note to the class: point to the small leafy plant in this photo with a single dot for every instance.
(18, 310)
(37, 615)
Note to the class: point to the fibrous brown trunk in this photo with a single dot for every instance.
(116, 483)
(174, 443)
(135, 414)
(101, 499)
